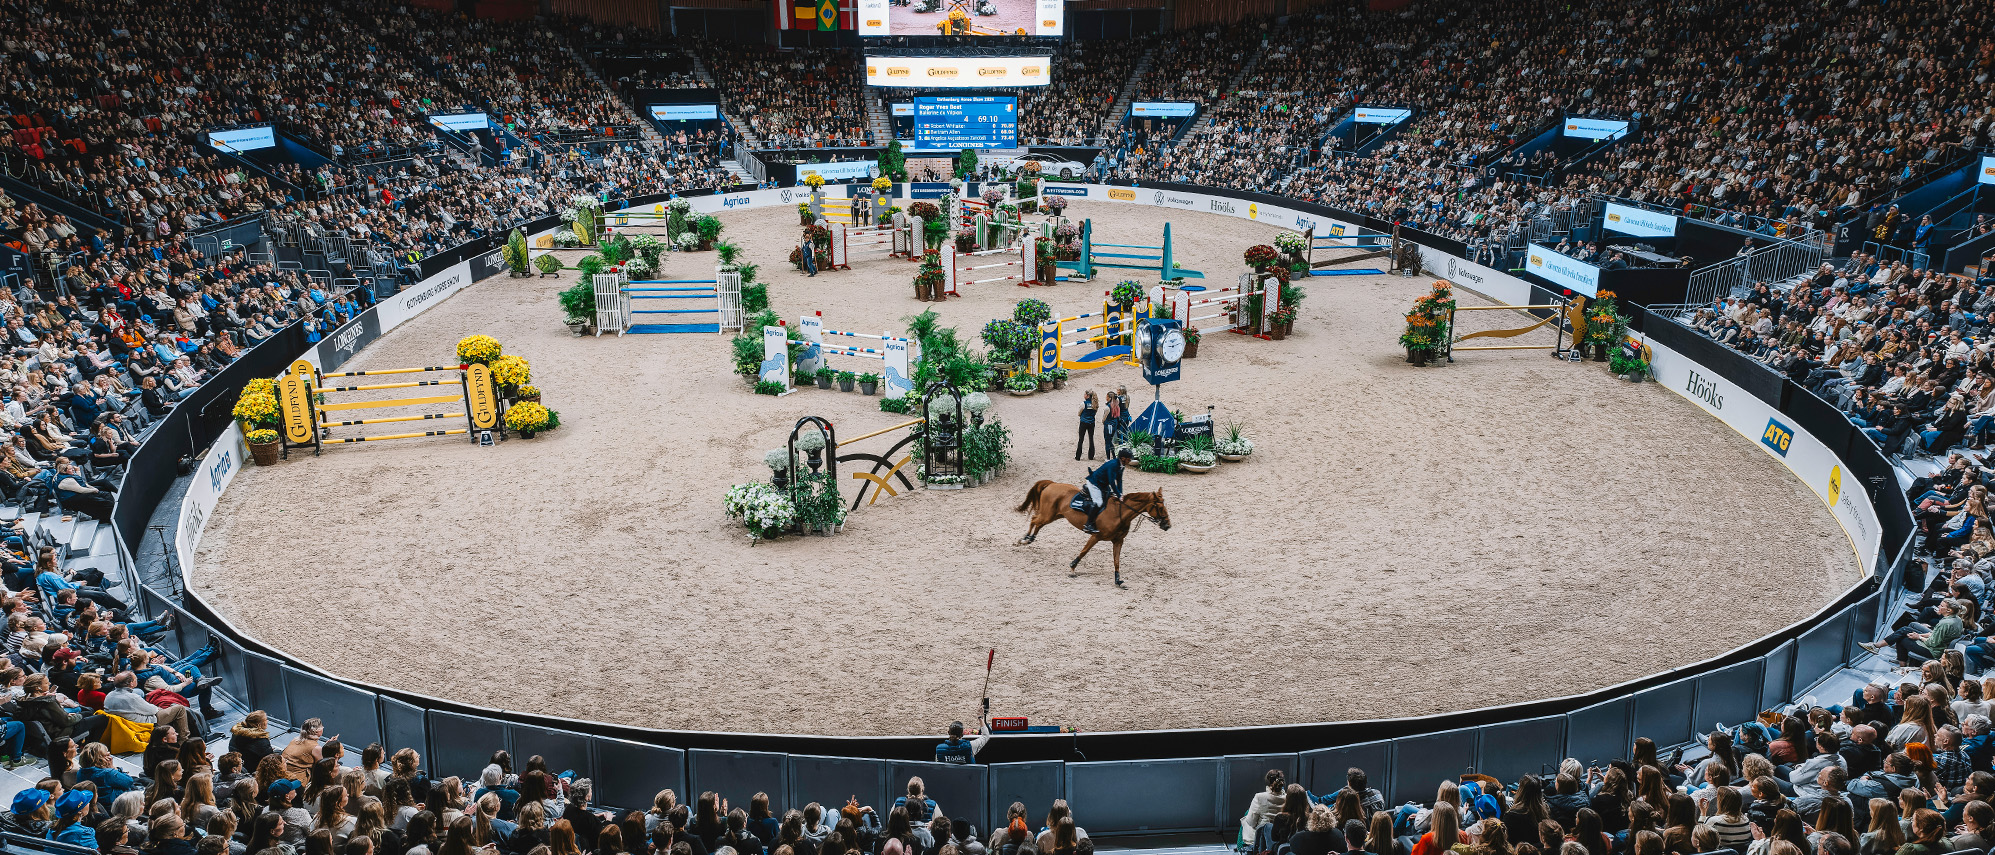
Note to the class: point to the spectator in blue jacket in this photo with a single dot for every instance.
(98, 769)
(73, 815)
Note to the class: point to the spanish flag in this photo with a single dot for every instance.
(827, 14)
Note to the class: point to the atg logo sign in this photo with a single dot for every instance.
(1777, 436)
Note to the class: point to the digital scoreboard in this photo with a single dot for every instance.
(950, 122)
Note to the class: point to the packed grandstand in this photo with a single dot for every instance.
(1789, 121)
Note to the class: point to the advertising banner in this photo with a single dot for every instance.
(339, 346)
(1594, 129)
(413, 301)
(1381, 115)
(1639, 222)
(1562, 270)
(1987, 175)
(685, 112)
(225, 458)
(1489, 282)
(462, 122)
(958, 72)
(1773, 433)
(906, 109)
(1152, 109)
(244, 139)
(775, 356)
(839, 171)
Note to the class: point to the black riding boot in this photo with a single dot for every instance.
(1093, 511)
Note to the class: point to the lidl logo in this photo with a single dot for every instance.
(1777, 436)
(1835, 484)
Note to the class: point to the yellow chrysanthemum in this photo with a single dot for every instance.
(527, 416)
(256, 409)
(478, 349)
(510, 370)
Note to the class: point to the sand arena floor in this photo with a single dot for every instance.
(1403, 541)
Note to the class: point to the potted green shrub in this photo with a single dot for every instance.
(1234, 446)
(1021, 384)
(824, 377)
(1196, 455)
(578, 303)
(1629, 368)
(869, 383)
(1058, 375)
(548, 265)
(845, 380)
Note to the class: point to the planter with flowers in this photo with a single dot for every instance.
(478, 350)
(1261, 256)
(1605, 326)
(804, 215)
(1234, 446)
(256, 411)
(1056, 204)
(1293, 246)
(1283, 320)
(1022, 384)
(1427, 324)
(530, 417)
(1192, 338)
(765, 510)
(929, 279)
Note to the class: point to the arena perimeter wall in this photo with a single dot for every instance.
(1128, 782)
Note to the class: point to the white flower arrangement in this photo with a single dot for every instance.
(680, 205)
(942, 404)
(777, 459)
(1234, 445)
(686, 241)
(810, 439)
(638, 268)
(1196, 457)
(1288, 242)
(583, 200)
(976, 402)
(643, 242)
(568, 216)
(761, 507)
(566, 238)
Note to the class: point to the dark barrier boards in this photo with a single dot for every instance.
(1723, 361)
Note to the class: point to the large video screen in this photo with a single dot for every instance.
(958, 72)
(962, 18)
(461, 122)
(244, 139)
(1595, 129)
(955, 122)
(685, 112)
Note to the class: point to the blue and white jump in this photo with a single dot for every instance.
(892, 352)
(714, 304)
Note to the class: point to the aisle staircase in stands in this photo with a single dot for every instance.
(748, 138)
(878, 117)
(1232, 85)
(653, 140)
(673, 317)
(1111, 124)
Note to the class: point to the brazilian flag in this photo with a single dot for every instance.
(827, 14)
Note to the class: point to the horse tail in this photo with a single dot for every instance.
(1032, 496)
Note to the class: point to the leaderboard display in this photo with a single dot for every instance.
(954, 122)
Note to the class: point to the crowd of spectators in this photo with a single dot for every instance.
(1087, 78)
(794, 98)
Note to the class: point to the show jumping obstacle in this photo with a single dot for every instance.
(1110, 339)
(1166, 267)
(1233, 307)
(715, 305)
(1371, 245)
(1568, 318)
(891, 351)
(305, 413)
(897, 239)
(1024, 269)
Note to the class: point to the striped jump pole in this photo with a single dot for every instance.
(892, 352)
(304, 415)
(955, 274)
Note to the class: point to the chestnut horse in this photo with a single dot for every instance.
(1051, 500)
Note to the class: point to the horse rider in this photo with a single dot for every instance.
(1104, 481)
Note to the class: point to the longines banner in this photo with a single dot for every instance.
(1775, 434)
